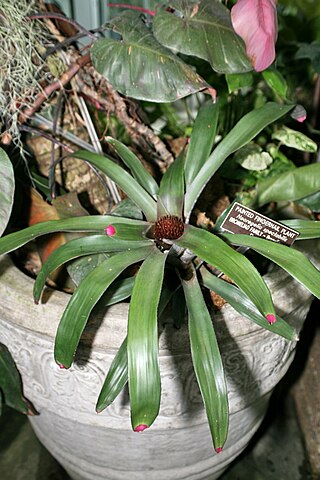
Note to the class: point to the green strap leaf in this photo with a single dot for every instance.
(171, 192)
(142, 348)
(291, 260)
(78, 248)
(138, 171)
(124, 180)
(242, 133)
(85, 297)
(10, 384)
(243, 305)
(117, 375)
(92, 223)
(207, 362)
(201, 139)
(115, 380)
(202, 29)
(139, 66)
(216, 252)
(307, 229)
(6, 189)
(289, 186)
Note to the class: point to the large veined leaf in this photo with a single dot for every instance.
(243, 305)
(124, 180)
(291, 260)
(216, 252)
(207, 362)
(85, 297)
(139, 66)
(94, 223)
(202, 29)
(6, 189)
(80, 247)
(10, 384)
(242, 133)
(289, 186)
(201, 139)
(142, 346)
(307, 229)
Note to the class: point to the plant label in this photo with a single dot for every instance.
(243, 220)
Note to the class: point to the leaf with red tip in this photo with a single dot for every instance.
(207, 361)
(85, 297)
(218, 253)
(288, 258)
(255, 21)
(243, 305)
(142, 346)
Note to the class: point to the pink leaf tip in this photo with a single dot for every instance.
(271, 318)
(61, 366)
(299, 113)
(140, 428)
(219, 449)
(110, 230)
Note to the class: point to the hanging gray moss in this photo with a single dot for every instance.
(22, 66)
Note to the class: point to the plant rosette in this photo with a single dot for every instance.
(165, 246)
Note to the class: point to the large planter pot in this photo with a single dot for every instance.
(178, 445)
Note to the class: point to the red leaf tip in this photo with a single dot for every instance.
(271, 318)
(219, 449)
(61, 366)
(110, 230)
(140, 428)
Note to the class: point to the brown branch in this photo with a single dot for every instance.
(49, 89)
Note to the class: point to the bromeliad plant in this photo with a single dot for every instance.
(163, 243)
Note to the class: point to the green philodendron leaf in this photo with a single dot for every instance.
(291, 260)
(202, 29)
(172, 187)
(216, 252)
(276, 82)
(307, 229)
(312, 202)
(236, 81)
(289, 186)
(10, 384)
(251, 157)
(292, 138)
(241, 134)
(142, 176)
(115, 380)
(243, 305)
(124, 180)
(139, 66)
(207, 362)
(201, 139)
(142, 346)
(85, 297)
(79, 247)
(6, 189)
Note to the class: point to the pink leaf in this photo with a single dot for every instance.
(255, 21)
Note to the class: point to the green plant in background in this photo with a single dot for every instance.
(164, 244)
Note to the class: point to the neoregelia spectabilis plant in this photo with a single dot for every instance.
(163, 241)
